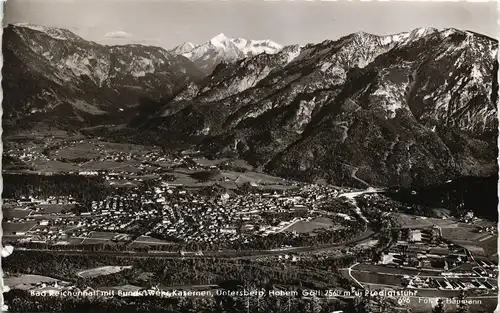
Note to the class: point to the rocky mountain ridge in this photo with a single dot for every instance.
(404, 109)
(53, 71)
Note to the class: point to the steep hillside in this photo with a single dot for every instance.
(411, 108)
(51, 72)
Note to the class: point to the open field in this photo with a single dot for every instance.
(70, 241)
(228, 185)
(207, 162)
(19, 213)
(229, 180)
(123, 183)
(103, 235)
(41, 166)
(92, 149)
(394, 270)
(472, 246)
(72, 148)
(490, 247)
(130, 166)
(100, 271)
(79, 150)
(479, 244)
(97, 241)
(234, 163)
(259, 178)
(42, 133)
(462, 233)
(12, 238)
(411, 221)
(104, 238)
(27, 281)
(377, 278)
(279, 187)
(125, 147)
(310, 226)
(147, 240)
(124, 288)
(11, 228)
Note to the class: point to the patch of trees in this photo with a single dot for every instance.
(74, 160)
(312, 273)
(41, 186)
(205, 176)
(385, 203)
(477, 194)
(229, 166)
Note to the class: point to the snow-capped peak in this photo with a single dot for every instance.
(422, 31)
(184, 48)
(220, 40)
(254, 47)
(229, 45)
(221, 48)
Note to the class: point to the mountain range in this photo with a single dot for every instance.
(52, 73)
(406, 109)
(222, 49)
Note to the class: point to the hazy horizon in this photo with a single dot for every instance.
(147, 22)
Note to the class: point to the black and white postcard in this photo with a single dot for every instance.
(249, 156)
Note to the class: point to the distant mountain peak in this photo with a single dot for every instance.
(65, 68)
(221, 48)
(184, 48)
(56, 33)
(219, 40)
(423, 31)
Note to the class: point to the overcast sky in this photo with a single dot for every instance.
(168, 23)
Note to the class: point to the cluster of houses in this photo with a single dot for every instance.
(192, 217)
(27, 154)
(172, 212)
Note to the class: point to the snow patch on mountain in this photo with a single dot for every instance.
(304, 115)
(476, 72)
(325, 66)
(55, 33)
(223, 49)
(188, 93)
(255, 47)
(80, 65)
(184, 48)
(292, 55)
(386, 40)
(247, 47)
(219, 45)
(390, 97)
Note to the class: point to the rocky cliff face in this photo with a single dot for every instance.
(53, 72)
(403, 109)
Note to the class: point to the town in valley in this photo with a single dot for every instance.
(249, 156)
(121, 203)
